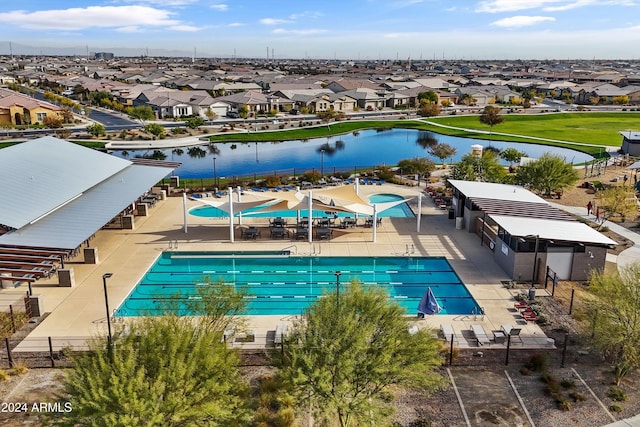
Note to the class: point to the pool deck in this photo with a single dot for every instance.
(79, 312)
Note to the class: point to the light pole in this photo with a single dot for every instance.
(322, 162)
(215, 175)
(105, 276)
(337, 273)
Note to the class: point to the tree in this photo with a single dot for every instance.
(485, 168)
(620, 100)
(512, 155)
(443, 151)
(618, 200)
(549, 174)
(155, 129)
(96, 129)
(467, 99)
(141, 113)
(429, 109)
(194, 122)
(349, 349)
(52, 122)
(429, 97)
(243, 111)
(166, 370)
(615, 317)
(67, 115)
(491, 116)
(418, 165)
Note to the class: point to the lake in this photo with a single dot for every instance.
(340, 153)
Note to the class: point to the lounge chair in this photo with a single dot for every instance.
(480, 335)
(529, 316)
(447, 331)
(511, 331)
(288, 188)
(520, 304)
(281, 332)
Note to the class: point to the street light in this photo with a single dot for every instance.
(105, 276)
(215, 175)
(322, 162)
(337, 273)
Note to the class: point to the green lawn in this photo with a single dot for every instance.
(589, 128)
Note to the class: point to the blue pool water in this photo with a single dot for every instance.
(399, 211)
(286, 285)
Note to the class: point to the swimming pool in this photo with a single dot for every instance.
(399, 211)
(285, 285)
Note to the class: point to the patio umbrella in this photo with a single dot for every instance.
(428, 303)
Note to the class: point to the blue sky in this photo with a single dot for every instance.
(373, 29)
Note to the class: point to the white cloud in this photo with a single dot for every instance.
(498, 6)
(185, 28)
(308, 32)
(74, 19)
(165, 3)
(306, 14)
(273, 21)
(221, 7)
(236, 24)
(521, 21)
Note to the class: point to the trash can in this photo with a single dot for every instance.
(459, 223)
(532, 293)
(452, 213)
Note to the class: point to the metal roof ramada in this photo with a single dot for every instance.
(72, 224)
(547, 229)
(524, 209)
(38, 176)
(490, 190)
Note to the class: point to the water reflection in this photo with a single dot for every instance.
(354, 150)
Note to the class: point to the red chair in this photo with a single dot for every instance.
(521, 304)
(529, 316)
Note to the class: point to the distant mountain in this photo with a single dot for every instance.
(7, 48)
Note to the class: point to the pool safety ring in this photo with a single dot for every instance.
(492, 245)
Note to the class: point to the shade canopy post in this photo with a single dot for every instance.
(231, 236)
(239, 201)
(309, 227)
(184, 208)
(375, 222)
(419, 216)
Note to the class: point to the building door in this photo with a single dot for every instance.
(560, 260)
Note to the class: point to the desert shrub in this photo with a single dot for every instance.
(285, 417)
(617, 394)
(19, 369)
(538, 362)
(521, 297)
(526, 371)
(420, 423)
(564, 405)
(615, 408)
(567, 383)
(577, 396)
(4, 375)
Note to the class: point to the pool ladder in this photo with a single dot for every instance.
(409, 249)
(478, 312)
(290, 247)
(173, 244)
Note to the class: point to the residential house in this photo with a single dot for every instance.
(19, 109)
(369, 99)
(479, 96)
